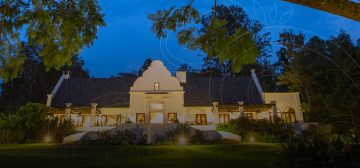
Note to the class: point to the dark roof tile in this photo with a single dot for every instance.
(114, 92)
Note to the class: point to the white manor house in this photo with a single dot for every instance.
(159, 97)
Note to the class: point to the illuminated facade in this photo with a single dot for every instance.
(159, 97)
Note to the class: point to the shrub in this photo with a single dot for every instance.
(120, 137)
(319, 146)
(31, 123)
(264, 130)
(192, 136)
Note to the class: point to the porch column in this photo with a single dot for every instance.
(216, 111)
(166, 112)
(67, 110)
(241, 108)
(274, 109)
(93, 113)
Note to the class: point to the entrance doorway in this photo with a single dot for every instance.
(156, 117)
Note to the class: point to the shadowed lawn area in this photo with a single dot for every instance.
(42, 155)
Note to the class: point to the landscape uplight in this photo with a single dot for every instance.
(182, 140)
(47, 139)
(252, 139)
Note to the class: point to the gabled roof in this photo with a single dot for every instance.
(106, 92)
(202, 91)
(114, 92)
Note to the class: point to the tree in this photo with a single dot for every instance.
(214, 38)
(185, 67)
(31, 123)
(145, 66)
(61, 28)
(345, 8)
(236, 18)
(326, 73)
(35, 82)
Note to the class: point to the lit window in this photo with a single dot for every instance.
(140, 117)
(224, 118)
(288, 115)
(156, 106)
(172, 117)
(156, 86)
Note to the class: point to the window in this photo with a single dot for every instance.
(172, 117)
(201, 119)
(156, 86)
(140, 117)
(249, 115)
(224, 118)
(156, 106)
(288, 115)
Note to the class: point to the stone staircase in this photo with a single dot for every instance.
(210, 132)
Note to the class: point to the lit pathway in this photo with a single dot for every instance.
(224, 134)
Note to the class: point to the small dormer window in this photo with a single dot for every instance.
(156, 86)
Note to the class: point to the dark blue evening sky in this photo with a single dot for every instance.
(126, 40)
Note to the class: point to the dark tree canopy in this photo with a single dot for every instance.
(326, 73)
(345, 8)
(61, 28)
(35, 82)
(213, 38)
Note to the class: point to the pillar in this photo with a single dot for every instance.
(216, 111)
(241, 108)
(67, 110)
(49, 100)
(274, 110)
(93, 114)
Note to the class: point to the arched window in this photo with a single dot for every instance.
(288, 115)
(156, 86)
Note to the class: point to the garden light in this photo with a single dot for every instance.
(47, 139)
(252, 139)
(182, 140)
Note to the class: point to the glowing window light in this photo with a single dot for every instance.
(156, 86)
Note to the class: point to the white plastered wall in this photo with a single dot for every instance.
(123, 111)
(170, 92)
(190, 114)
(284, 100)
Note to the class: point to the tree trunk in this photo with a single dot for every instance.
(344, 8)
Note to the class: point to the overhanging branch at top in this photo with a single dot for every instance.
(343, 8)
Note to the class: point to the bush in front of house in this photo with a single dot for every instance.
(124, 137)
(260, 130)
(33, 123)
(183, 132)
(319, 146)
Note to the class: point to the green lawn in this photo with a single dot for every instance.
(234, 156)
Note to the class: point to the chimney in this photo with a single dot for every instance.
(181, 76)
(257, 84)
(67, 75)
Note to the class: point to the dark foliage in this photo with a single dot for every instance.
(262, 130)
(33, 123)
(35, 82)
(319, 148)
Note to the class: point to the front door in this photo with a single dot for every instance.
(224, 118)
(156, 117)
(201, 119)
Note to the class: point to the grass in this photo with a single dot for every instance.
(43, 155)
